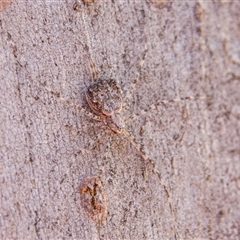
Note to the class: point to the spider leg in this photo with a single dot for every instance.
(138, 148)
(154, 168)
(94, 70)
(92, 65)
(128, 93)
(164, 102)
(81, 109)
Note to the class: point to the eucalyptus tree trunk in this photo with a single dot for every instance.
(64, 175)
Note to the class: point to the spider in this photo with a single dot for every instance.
(105, 99)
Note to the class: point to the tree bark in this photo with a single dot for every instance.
(183, 50)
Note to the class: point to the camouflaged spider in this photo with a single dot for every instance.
(105, 99)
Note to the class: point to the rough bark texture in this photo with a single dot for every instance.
(159, 50)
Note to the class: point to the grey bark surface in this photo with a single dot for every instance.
(157, 51)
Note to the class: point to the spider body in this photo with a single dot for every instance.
(105, 99)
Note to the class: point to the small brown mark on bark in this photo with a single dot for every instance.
(87, 2)
(4, 3)
(198, 12)
(77, 5)
(94, 199)
(160, 3)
